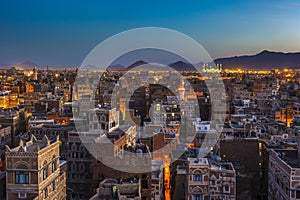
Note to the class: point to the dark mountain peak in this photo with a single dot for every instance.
(265, 52)
(182, 66)
(273, 53)
(136, 64)
(180, 62)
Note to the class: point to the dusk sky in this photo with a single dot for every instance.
(62, 33)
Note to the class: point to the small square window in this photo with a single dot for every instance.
(213, 182)
(22, 195)
(226, 189)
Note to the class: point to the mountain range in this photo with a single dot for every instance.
(263, 60)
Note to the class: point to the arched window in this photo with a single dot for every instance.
(198, 176)
(45, 170)
(103, 118)
(74, 147)
(21, 165)
(81, 167)
(213, 180)
(45, 173)
(81, 147)
(73, 167)
(53, 166)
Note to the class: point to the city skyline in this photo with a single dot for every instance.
(140, 100)
(63, 34)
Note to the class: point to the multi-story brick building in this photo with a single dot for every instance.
(284, 174)
(116, 152)
(157, 180)
(210, 180)
(30, 98)
(296, 109)
(80, 164)
(5, 139)
(5, 136)
(11, 117)
(204, 135)
(52, 131)
(33, 171)
(103, 119)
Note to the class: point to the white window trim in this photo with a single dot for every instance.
(22, 195)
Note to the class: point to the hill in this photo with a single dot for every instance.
(263, 60)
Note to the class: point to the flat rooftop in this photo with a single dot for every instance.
(289, 156)
(198, 161)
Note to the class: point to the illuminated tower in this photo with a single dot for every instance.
(34, 76)
(148, 99)
(181, 91)
(72, 79)
(219, 68)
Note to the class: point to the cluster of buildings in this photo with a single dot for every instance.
(64, 140)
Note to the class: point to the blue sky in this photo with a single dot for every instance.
(62, 33)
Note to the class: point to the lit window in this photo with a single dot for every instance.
(22, 195)
(44, 173)
(197, 177)
(22, 177)
(197, 197)
(53, 166)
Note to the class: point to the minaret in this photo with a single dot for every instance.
(181, 91)
(148, 99)
(34, 76)
(72, 78)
